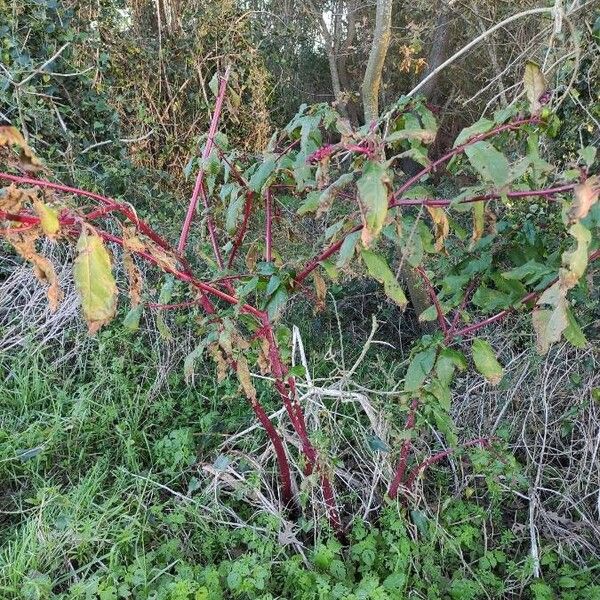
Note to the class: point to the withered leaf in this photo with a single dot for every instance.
(24, 245)
(11, 136)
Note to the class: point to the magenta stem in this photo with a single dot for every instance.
(199, 185)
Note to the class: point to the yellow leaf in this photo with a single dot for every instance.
(94, 280)
(478, 222)
(535, 86)
(442, 228)
(48, 218)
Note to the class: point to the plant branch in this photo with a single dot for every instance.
(199, 186)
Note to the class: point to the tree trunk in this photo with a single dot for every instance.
(379, 47)
(437, 51)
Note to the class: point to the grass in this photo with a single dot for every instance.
(105, 495)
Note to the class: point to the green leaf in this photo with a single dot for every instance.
(248, 287)
(491, 164)
(379, 270)
(276, 303)
(529, 273)
(260, 176)
(310, 204)
(191, 358)
(213, 84)
(418, 369)
(373, 195)
(273, 284)
(490, 300)
(588, 154)
(535, 86)
(481, 126)
(486, 362)
(234, 211)
(347, 249)
(94, 280)
(573, 333)
(132, 319)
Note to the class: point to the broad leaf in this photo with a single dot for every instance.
(48, 218)
(347, 249)
(94, 280)
(535, 86)
(418, 369)
(481, 126)
(262, 174)
(486, 362)
(491, 164)
(373, 195)
(379, 270)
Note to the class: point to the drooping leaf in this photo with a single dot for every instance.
(426, 136)
(132, 318)
(328, 195)
(243, 374)
(420, 366)
(276, 303)
(535, 86)
(10, 136)
(262, 174)
(190, 360)
(481, 126)
(576, 260)
(586, 195)
(486, 362)
(478, 222)
(48, 218)
(442, 227)
(380, 271)
(94, 280)
(491, 164)
(373, 195)
(310, 204)
(320, 291)
(347, 249)
(24, 245)
(573, 332)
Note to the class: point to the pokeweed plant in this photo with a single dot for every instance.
(369, 216)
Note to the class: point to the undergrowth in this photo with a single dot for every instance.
(101, 499)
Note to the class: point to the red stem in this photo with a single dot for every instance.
(463, 303)
(433, 297)
(333, 248)
(241, 234)
(128, 213)
(199, 186)
(503, 313)
(282, 461)
(268, 226)
(459, 149)
(484, 442)
(404, 451)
